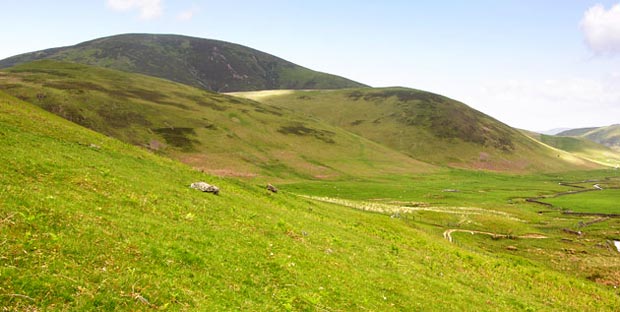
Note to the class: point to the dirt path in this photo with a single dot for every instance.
(387, 208)
(447, 234)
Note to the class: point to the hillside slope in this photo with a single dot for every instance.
(575, 132)
(426, 126)
(581, 147)
(170, 247)
(608, 136)
(220, 134)
(208, 64)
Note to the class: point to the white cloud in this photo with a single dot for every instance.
(602, 29)
(552, 103)
(187, 14)
(148, 9)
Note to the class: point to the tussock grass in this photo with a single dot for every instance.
(90, 223)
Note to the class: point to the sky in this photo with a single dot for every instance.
(533, 64)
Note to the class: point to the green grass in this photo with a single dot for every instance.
(217, 133)
(605, 201)
(491, 202)
(109, 226)
(426, 126)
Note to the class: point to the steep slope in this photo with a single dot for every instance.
(426, 126)
(217, 133)
(208, 64)
(170, 247)
(581, 147)
(608, 136)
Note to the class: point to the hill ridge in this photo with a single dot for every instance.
(210, 64)
(606, 135)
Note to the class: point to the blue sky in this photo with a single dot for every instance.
(532, 64)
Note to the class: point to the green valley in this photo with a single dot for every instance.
(92, 223)
(333, 195)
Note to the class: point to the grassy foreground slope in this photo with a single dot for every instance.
(426, 126)
(88, 222)
(218, 133)
(203, 63)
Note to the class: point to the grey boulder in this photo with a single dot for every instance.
(205, 187)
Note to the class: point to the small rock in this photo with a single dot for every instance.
(450, 191)
(512, 248)
(272, 188)
(95, 146)
(205, 187)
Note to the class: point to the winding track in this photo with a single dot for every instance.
(447, 234)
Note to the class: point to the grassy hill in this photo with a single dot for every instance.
(581, 147)
(426, 126)
(90, 223)
(609, 135)
(575, 132)
(217, 133)
(208, 64)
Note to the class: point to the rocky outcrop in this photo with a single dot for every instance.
(205, 187)
(272, 188)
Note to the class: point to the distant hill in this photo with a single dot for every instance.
(575, 132)
(553, 131)
(608, 136)
(218, 133)
(425, 126)
(581, 147)
(209, 64)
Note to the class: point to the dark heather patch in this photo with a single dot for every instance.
(272, 111)
(235, 101)
(178, 137)
(357, 122)
(67, 112)
(204, 101)
(355, 95)
(41, 71)
(210, 126)
(8, 86)
(148, 95)
(74, 85)
(120, 118)
(179, 105)
(301, 130)
(404, 96)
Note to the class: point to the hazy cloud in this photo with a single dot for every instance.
(602, 29)
(187, 14)
(148, 9)
(551, 103)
